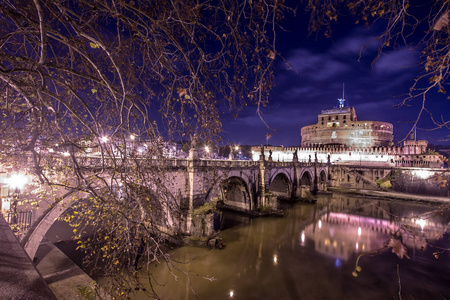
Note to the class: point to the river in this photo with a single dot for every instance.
(311, 253)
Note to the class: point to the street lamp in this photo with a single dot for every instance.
(16, 182)
(104, 139)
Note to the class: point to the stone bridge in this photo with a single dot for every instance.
(245, 185)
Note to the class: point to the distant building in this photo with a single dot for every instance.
(340, 126)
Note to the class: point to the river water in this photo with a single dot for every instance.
(311, 254)
(312, 251)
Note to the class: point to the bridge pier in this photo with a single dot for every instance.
(262, 185)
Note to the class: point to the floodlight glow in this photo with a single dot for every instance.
(421, 223)
(17, 181)
(423, 174)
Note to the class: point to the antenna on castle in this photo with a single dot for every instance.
(342, 100)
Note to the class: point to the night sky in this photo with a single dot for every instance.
(318, 68)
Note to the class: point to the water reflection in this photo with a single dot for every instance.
(311, 253)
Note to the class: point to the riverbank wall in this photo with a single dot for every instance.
(393, 195)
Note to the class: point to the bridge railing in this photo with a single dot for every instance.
(304, 163)
(216, 163)
(95, 161)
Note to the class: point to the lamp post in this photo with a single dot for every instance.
(16, 182)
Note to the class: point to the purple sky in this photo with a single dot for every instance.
(318, 68)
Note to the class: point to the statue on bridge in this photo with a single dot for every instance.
(261, 156)
(295, 158)
(270, 155)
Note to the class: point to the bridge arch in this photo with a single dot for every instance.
(280, 185)
(235, 192)
(36, 233)
(307, 179)
(323, 176)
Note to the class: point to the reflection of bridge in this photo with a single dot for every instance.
(192, 182)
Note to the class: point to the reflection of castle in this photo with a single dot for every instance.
(339, 235)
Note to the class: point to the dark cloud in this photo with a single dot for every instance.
(398, 61)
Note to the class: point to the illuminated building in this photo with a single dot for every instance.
(340, 126)
(339, 138)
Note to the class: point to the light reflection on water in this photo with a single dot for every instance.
(311, 253)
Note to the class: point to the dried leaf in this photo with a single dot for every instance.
(398, 247)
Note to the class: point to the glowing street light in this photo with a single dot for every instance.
(104, 139)
(17, 181)
(132, 137)
(207, 149)
(236, 148)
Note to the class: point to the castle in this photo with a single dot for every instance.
(340, 126)
(339, 138)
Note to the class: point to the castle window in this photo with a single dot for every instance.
(337, 117)
(329, 118)
(345, 117)
(345, 121)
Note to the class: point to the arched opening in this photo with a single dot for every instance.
(235, 192)
(323, 176)
(307, 179)
(280, 186)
